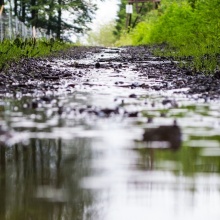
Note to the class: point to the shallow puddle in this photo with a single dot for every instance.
(109, 150)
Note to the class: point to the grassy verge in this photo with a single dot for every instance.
(190, 29)
(13, 51)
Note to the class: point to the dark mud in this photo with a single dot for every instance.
(42, 76)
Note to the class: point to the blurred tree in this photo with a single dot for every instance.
(15, 7)
(34, 13)
(121, 18)
(58, 16)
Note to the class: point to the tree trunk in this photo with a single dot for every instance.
(23, 9)
(33, 13)
(49, 25)
(15, 7)
(59, 20)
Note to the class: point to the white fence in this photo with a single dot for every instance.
(11, 27)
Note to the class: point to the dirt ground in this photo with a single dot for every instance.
(41, 75)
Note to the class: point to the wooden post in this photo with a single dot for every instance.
(1, 24)
(1, 10)
(139, 4)
(129, 22)
(129, 11)
(33, 32)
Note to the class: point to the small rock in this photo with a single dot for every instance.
(60, 110)
(133, 114)
(217, 75)
(149, 120)
(34, 104)
(97, 65)
(133, 96)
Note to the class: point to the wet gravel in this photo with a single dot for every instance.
(40, 76)
(104, 121)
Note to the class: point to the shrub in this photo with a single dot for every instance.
(188, 27)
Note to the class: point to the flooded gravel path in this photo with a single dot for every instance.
(109, 134)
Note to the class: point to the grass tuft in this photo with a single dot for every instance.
(13, 51)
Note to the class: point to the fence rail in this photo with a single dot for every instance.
(11, 27)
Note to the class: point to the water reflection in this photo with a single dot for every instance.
(2, 182)
(40, 180)
(97, 171)
(166, 136)
(77, 165)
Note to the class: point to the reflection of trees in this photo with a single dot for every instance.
(167, 137)
(2, 183)
(43, 163)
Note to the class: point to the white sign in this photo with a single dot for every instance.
(34, 32)
(129, 9)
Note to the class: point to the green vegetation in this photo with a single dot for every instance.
(11, 51)
(187, 29)
(187, 161)
(137, 16)
(103, 36)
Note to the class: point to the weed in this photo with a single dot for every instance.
(12, 51)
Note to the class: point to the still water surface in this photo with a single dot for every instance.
(62, 162)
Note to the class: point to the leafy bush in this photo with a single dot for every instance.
(175, 26)
(188, 27)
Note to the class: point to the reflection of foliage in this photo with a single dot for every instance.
(188, 160)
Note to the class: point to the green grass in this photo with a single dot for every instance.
(13, 51)
(191, 32)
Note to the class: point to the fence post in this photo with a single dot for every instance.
(1, 27)
(23, 30)
(1, 22)
(10, 26)
(16, 25)
(1, 9)
(33, 32)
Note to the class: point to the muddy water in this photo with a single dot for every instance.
(102, 150)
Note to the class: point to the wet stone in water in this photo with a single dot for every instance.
(97, 65)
